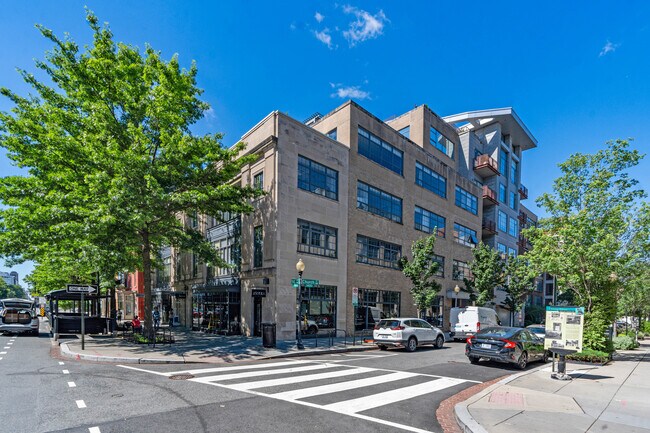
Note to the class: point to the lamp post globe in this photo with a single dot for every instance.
(456, 291)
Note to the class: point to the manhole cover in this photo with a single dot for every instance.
(181, 376)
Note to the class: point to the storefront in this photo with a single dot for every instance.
(216, 306)
(375, 305)
(319, 304)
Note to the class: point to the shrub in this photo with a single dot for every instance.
(641, 335)
(590, 355)
(646, 327)
(624, 343)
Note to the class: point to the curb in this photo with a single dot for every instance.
(465, 421)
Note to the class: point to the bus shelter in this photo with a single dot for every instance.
(66, 308)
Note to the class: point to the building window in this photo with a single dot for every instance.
(194, 220)
(195, 265)
(376, 149)
(513, 200)
(378, 253)
(429, 179)
(503, 162)
(441, 142)
(503, 193)
(379, 202)
(332, 134)
(512, 252)
(503, 221)
(376, 303)
(513, 171)
(258, 181)
(464, 235)
(461, 270)
(228, 250)
(428, 222)
(316, 239)
(317, 178)
(441, 265)
(502, 249)
(258, 247)
(466, 201)
(406, 132)
(513, 227)
(319, 304)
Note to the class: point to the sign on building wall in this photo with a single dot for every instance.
(564, 328)
(355, 296)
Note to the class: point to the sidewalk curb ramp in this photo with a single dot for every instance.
(465, 420)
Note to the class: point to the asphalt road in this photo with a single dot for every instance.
(371, 391)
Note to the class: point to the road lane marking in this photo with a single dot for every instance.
(342, 386)
(80, 404)
(0, 359)
(298, 379)
(222, 377)
(241, 367)
(71, 384)
(3, 353)
(66, 372)
(61, 363)
(6, 347)
(393, 396)
(94, 430)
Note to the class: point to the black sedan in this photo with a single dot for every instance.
(511, 345)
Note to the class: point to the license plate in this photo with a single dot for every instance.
(486, 346)
(382, 336)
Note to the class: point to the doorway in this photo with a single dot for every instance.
(257, 317)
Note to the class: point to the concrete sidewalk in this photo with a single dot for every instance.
(612, 398)
(191, 347)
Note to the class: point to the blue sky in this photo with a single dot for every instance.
(575, 72)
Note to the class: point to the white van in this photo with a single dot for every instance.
(467, 321)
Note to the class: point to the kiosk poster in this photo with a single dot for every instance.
(564, 328)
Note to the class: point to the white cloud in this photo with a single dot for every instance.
(608, 48)
(292, 26)
(349, 92)
(319, 17)
(325, 37)
(366, 26)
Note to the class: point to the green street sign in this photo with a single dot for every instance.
(305, 282)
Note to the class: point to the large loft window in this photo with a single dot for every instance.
(441, 142)
(376, 149)
(429, 179)
(377, 252)
(379, 202)
(461, 270)
(465, 236)
(428, 222)
(502, 222)
(317, 178)
(258, 247)
(466, 200)
(316, 239)
(513, 228)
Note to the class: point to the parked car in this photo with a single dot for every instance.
(467, 321)
(18, 315)
(408, 332)
(511, 345)
(307, 326)
(539, 330)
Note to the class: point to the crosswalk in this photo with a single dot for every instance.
(328, 385)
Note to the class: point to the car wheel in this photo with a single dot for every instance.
(522, 361)
(382, 347)
(440, 340)
(411, 345)
(35, 333)
(473, 360)
(312, 330)
(545, 357)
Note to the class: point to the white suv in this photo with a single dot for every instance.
(408, 332)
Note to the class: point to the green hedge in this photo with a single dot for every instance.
(590, 355)
(624, 342)
(646, 327)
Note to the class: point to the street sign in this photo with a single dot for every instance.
(81, 288)
(355, 296)
(305, 282)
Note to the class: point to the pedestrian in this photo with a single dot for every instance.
(171, 317)
(156, 318)
(136, 325)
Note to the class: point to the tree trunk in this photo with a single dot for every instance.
(146, 268)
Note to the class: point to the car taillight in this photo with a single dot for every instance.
(469, 340)
(509, 344)
(397, 328)
(478, 326)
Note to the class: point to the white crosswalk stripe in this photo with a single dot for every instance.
(253, 378)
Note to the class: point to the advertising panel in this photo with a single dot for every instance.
(564, 326)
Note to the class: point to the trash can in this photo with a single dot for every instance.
(268, 334)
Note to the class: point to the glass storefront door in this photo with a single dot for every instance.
(216, 311)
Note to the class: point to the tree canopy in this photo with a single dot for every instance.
(487, 268)
(111, 161)
(518, 284)
(421, 270)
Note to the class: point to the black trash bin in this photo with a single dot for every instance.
(268, 334)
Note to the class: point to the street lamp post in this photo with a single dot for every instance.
(300, 267)
(456, 291)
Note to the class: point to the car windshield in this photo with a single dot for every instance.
(389, 323)
(537, 330)
(497, 332)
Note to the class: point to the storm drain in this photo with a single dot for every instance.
(181, 376)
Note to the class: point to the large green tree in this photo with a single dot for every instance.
(112, 163)
(422, 270)
(11, 290)
(487, 267)
(587, 241)
(518, 284)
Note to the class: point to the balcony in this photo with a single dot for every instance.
(523, 217)
(485, 166)
(489, 227)
(523, 192)
(489, 195)
(523, 244)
